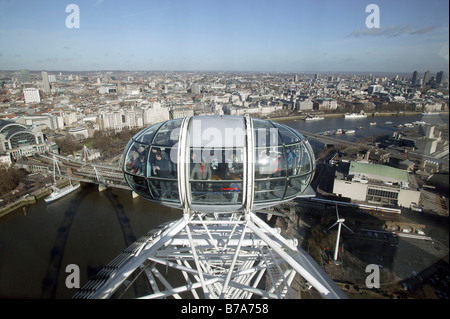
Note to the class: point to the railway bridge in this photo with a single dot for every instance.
(80, 170)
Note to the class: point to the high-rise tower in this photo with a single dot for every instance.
(414, 78)
(426, 78)
(439, 77)
(46, 82)
(25, 75)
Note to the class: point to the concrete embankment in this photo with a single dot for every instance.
(21, 202)
(28, 199)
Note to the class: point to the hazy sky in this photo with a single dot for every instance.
(244, 35)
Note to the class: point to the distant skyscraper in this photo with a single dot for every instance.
(440, 77)
(25, 75)
(46, 82)
(426, 78)
(414, 78)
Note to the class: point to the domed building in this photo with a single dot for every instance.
(19, 140)
(219, 163)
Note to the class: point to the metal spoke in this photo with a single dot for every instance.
(216, 258)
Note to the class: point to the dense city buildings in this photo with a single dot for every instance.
(78, 104)
(40, 110)
(115, 100)
(61, 101)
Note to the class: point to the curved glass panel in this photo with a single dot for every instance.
(136, 159)
(216, 131)
(270, 173)
(168, 133)
(160, 164)
(146, 136)
(139, 185)
(287, 135)
(297, 185)
(162, 173)
(162, 189)
(270, 162)
(265, 134)
(293, 155)
(154, 163)
(269, 189)
(304, 165)
(311, 155)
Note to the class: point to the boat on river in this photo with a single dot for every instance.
(314, 118)
(355, 116)
(57, 192)
(429, 113)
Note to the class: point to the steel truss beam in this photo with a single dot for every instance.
(217, 256)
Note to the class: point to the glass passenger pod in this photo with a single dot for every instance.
(216, 163)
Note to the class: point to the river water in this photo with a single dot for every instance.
(89, 228)
(381, 127)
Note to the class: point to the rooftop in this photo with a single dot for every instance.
(377, 169)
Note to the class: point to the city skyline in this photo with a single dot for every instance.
(255, 36)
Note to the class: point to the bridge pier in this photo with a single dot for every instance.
(102, 187)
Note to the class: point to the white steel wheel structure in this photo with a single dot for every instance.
(221, 171)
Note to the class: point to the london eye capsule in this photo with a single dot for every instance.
(219, 163)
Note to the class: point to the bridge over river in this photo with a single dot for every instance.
(79, 170)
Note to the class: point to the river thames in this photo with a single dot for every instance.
(89, 228)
